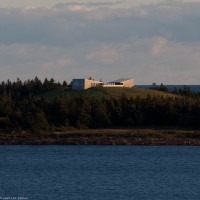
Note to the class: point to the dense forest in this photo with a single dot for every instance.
(22, 107)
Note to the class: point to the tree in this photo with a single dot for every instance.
(40, 124)
(163, 88)
(64, 84)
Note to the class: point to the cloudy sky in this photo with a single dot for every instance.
(150, 40)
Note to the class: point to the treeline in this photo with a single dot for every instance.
(30, 111)
(34, 86)
(184, 91)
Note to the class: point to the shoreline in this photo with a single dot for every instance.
(131, 137)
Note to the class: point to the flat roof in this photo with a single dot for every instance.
(87, 79)
(120, 80)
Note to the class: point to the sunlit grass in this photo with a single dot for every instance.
(133, 92)
(101, 92)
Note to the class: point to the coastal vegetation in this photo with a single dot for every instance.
(46, 107)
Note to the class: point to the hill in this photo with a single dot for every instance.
(100, 92)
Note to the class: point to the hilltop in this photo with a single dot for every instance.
(101, 92)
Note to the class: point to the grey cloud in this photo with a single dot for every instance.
(47, 28)
(177, 20)
(68, 28)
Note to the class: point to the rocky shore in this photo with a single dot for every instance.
(149, 137)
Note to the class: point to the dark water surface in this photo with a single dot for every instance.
(100, 172)
(193, 88)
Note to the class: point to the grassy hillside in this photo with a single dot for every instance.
(105, 92)
(130, 92)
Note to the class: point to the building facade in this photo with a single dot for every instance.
(128, 83)
(83, 84)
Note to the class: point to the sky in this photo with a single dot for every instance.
(149, 41)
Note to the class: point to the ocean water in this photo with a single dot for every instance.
(194, 88)
(99, 172)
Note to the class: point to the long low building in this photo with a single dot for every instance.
(83, 84)
(128, 83)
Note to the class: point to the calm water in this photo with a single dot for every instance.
(100, 172)
(194, 88)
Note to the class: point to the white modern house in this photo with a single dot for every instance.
(124, 82)
(83, 84)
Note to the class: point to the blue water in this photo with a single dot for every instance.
(193, 88)
(100, 172)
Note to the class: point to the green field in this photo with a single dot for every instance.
(100, 92)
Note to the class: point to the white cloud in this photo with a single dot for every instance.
(104, 55)
(159, 46)
(79, 8)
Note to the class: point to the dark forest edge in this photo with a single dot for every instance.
(24, 110)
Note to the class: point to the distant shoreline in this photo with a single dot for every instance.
(170, 87)
(140, 136)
